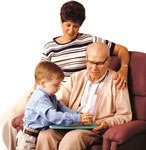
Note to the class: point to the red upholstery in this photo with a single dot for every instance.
(122, 133)
(137, 74)
(131, 135)
(17, 122)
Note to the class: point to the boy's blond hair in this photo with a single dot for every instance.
(47, 70)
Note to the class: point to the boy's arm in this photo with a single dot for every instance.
(47, 110)
(85, 117)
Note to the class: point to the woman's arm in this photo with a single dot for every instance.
(121, 75)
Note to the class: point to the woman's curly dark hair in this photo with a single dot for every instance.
(73, 11)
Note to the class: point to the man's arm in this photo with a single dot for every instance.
(122, 110)
(121, 75)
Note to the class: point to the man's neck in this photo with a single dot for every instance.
(99, 79)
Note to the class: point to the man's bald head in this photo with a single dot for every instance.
(98, 48)
(98, 59)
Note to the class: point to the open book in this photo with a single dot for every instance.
(74, 126)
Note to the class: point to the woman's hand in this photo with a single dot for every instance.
(121, 78)
(121, 75)
(102, 126)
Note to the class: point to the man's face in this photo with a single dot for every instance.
(96, 65)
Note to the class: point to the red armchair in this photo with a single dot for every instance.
(131, 135)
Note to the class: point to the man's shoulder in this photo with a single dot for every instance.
(111, 72)
(111, 75)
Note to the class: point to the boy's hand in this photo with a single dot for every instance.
(86, 118)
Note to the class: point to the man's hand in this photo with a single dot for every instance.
(86, 118)
(102, 126)
(121, 78)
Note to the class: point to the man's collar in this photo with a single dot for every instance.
(100, 79)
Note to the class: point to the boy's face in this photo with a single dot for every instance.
(52, 86)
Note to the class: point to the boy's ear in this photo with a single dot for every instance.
(42, 83)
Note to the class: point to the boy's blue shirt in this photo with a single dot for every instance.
(43, 110)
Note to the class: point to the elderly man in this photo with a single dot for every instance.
(91, 90)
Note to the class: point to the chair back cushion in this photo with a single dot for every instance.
(136, 82)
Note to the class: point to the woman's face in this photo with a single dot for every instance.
(70, 30)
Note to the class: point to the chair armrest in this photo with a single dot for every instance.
(121, 133)
(17, 122)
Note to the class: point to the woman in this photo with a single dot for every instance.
(68, 51)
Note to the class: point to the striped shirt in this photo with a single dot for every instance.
(91, 94)
(70, 57)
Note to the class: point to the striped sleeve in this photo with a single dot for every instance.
(110, 44)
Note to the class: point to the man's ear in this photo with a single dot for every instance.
(109, 59)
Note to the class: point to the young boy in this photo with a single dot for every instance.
(43, 109)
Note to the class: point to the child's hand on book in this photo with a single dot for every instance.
(86, 119)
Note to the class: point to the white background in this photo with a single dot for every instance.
(26, 25)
